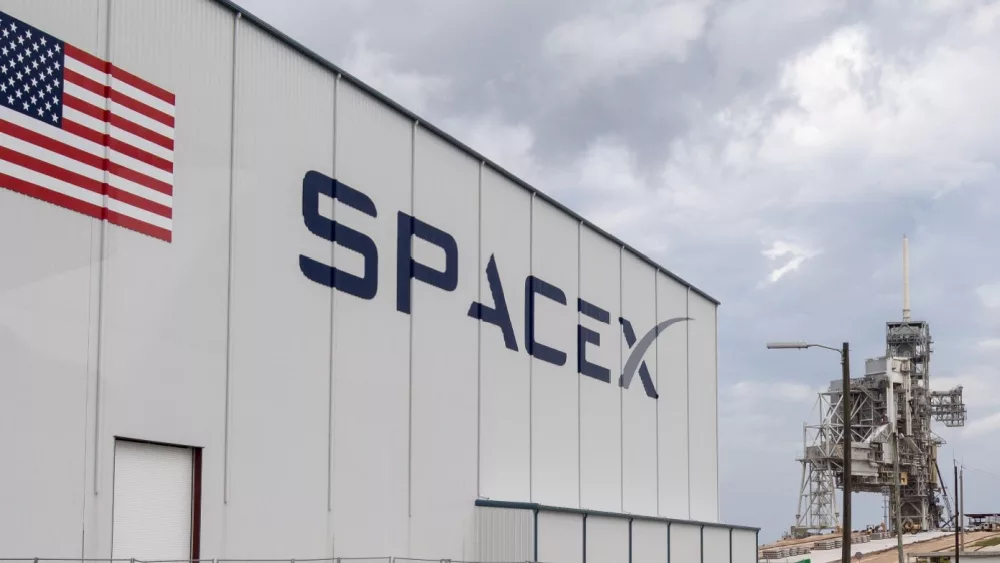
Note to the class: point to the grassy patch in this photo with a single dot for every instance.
(988, 542)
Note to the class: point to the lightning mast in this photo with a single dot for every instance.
(906, 279)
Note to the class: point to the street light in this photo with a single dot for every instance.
(845, 361)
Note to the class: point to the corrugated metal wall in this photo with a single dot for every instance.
(595, 537)
(359, 421)
(505, 534)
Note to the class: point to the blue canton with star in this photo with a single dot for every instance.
(31, 71)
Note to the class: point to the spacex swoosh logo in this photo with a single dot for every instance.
(639, 349)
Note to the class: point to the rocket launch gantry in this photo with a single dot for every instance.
(893, 395)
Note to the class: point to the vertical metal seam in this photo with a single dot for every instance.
(479, 339)
(656, 355)
(102, 271)
(331, 423)
(90, 341)
(718, 498)
(409, 282)
(536, 534)
(231, 279)
(687, 390)
(621, 390)
(630, 540)
(669, 524)
(579, 385)
(531, 362)
(701, 539)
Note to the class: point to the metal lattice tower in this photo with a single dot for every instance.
(817, 495)
(894, 393)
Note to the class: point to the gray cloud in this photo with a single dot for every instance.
(771, 151)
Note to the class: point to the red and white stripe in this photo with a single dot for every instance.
(113, 158)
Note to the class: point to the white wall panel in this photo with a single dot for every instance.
(46, 295)
(164, 304)
(371, 338)
(280, 319)
(607, 540)
(716, 545)
(685, 543)
(560, 537)
(554, 388)
(649, 542)
(672, 406)
(600, 395)
(744, 546)
(72, 21)
(504, 373)
(43, 386)
(703, 416)
(639, 410)
(445, 349)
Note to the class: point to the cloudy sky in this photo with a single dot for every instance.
(773, 152)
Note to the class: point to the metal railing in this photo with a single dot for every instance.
(387, 559)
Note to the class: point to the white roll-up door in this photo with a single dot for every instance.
(152, 501)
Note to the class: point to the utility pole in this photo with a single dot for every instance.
(899, 516)
(961, 494)
(958, 516)
(885, 512)
(845, 362)
(845, 554)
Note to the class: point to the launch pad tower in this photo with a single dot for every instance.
(894, 395)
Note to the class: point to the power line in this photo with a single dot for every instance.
(984, 472)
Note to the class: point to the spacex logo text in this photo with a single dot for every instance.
(365, 286)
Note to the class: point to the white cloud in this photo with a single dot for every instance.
(980, 386)
(750, 390)
(620, 195)
(986, 425)
(847, 121)
(509, 145)
(989, 295)
(989, 344)
(413, 90)
(624, 39)
(604, 181)
(795, 255)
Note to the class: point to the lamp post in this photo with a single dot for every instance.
(845, 361)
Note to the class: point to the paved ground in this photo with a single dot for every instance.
(832, 555)
(988, 549)
(946, 543)
(884, 551)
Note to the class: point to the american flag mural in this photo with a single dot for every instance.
(83, 134)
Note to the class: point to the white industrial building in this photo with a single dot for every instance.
(252, 309)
